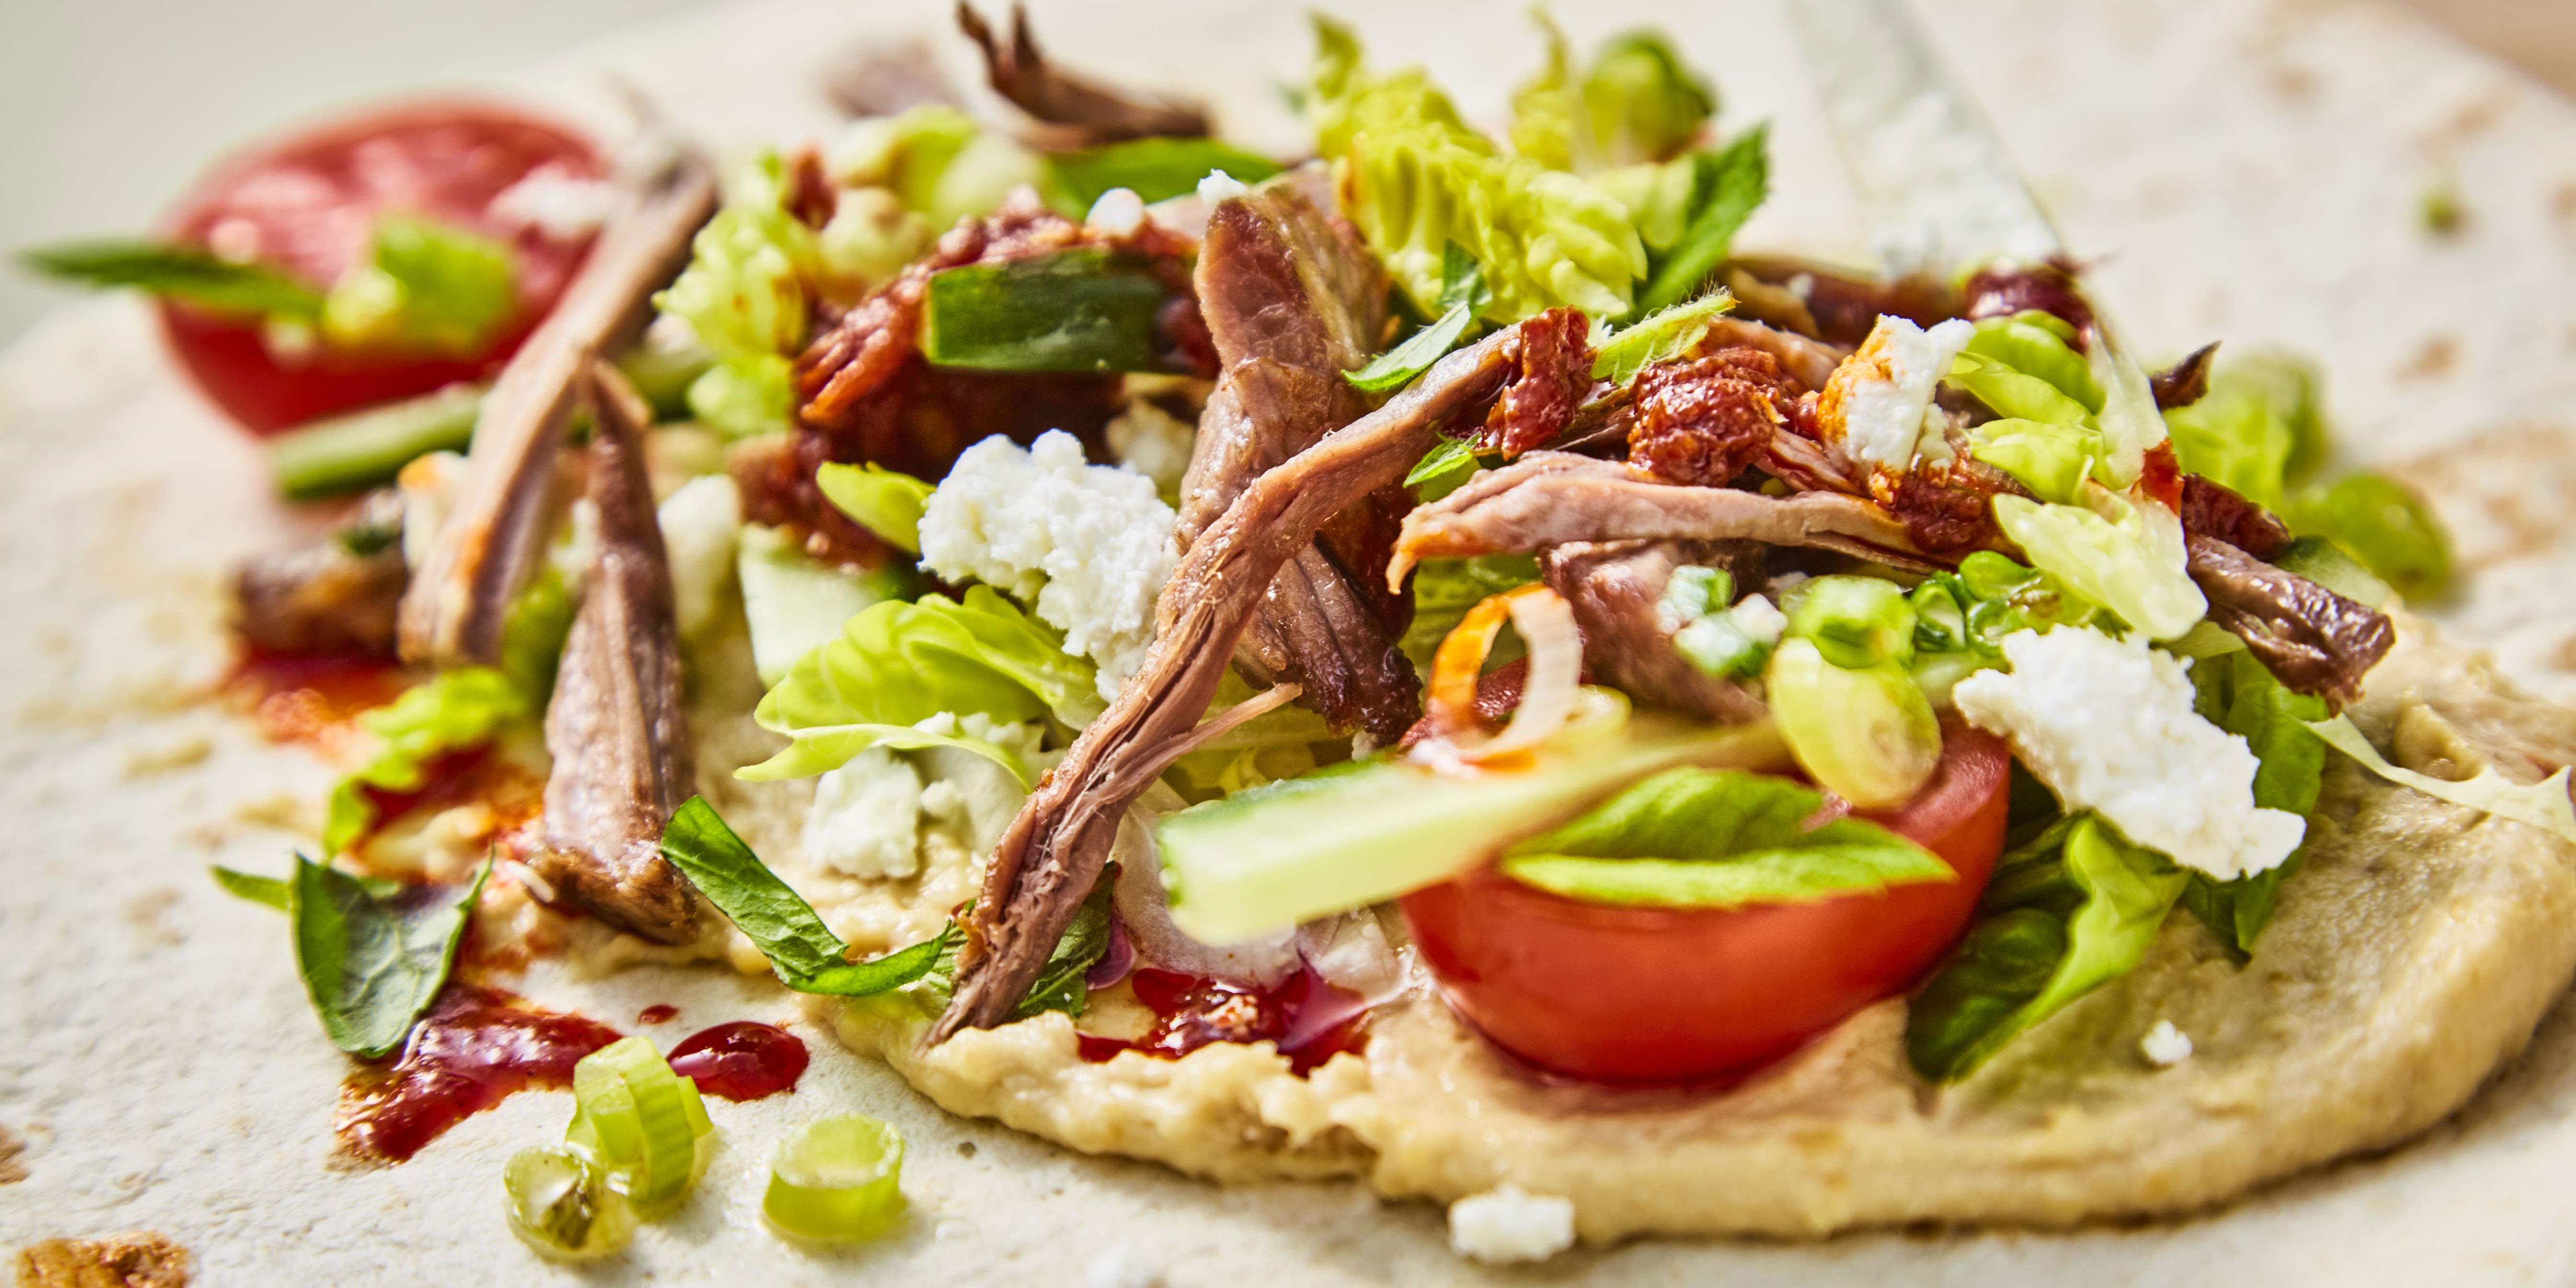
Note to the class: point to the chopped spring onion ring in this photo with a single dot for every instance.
(562, 1206)
(639, 1122)
(1546, 625)
(837, 1181)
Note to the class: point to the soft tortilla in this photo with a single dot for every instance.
(2254, 176)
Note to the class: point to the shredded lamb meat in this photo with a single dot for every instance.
(2214, 510)
(1615, 589)
(2311, 639)
(2000, 292)
(1071, 110)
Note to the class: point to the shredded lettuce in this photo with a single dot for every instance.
(2544, 804)
(1710, 838)
(902, 674)
(1415, 177)
(2080, 916)
(747, 294)
(1634, 104)
(886, 502)
(937, 161)
(2124, 556)
(2237, 694)
(2052, 460)
(423, 286)
(453, 711)
(2050, 437)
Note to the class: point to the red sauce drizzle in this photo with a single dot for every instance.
(475, 1046)
(657, 1013)
(311, 698)
(1310, 1018)
(742, 1060)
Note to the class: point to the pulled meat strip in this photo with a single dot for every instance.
(1820, 303)
(2001, 291)
(337, 595)
(1615, 587)
(1071, 110)
(1292, 300)
(2185, 382)
(2214, 510)
(1052, 854)
(2311, 639)
(1551, 498)
(1705, 421)
(452, 613)
(617, 728)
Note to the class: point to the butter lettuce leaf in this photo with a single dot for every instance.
(2257, 429)
(1634, 103)
(2237, 694)
(1709, 838)
(1443, 591)
(451, 712)
(902, 675)
(426, 287)
(745, 292)
(886, 502)
(2127, 557)
(2383, 523)
(2033, 960)
(2544, 804)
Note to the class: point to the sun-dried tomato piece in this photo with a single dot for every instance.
(1707, 420)
(1554, 373)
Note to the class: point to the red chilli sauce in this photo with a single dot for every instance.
(1311, 1019)
(311, 698)
(474, 1047)
(742, 1060)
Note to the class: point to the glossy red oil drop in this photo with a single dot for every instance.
(1311, 1019)
(657, 1013)
(474, 1047)
(743, 1060)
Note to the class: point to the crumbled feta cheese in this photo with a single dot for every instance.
(699, 524)
(1218, 185)
(1878, 405)
(2165, 1046)
(1759, 619)
(866, 817)
(1088, 546)
(2108, 725)
(1510, 1224)
(1153, 442)
(558, 205)
(1119, 213)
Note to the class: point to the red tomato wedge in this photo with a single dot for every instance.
(307, 205)
(1625, 994)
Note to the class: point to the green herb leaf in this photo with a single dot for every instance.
(1443, 591)
(1076, 311)
(426, 287)
(1729, 184)
(897, 665)
(1061, 984)
(372, 959)
(1658, 337)
(451, 712)
(1705, 838)
(1154, 169)
(1399, 366)
(886, 502)
(2383, 523)
(254, 888)
(1442, 470)
(804, 952)
(189, 274)
(2029, 963)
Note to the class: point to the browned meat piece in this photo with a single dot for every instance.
(1704, 421)
(1551, 498)
(2311, 639)
(617, 728)
(335, 596)
(2214, 510)
(453, 612)
(1807, 361)
(1053, 852)
(1292, 300)
(1557, 362)
(2185, 382)
(2050, 288)
(1071, 110)
(1614, 588)
(1834, 306)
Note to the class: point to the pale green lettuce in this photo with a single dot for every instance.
(2128, 558)
(1634, 103)
(451, 712)
(424, 286)
(2544, 804)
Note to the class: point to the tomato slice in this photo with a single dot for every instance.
(308, 205)
(1625, 994)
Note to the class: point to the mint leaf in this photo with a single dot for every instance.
(1658, 337)
(804, 952)
(1397, 367)
(254, 888)
(1155, 169)
(1442, 470)
(1730, 182)
(190, 274)
(1708, 838)
(2029, 963)
(373, 959)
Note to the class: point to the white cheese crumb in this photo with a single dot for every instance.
(1878, 404)
(1123, 1268)
(700, 523)
(2165, 1046)
(1510, 1224)
(558, 206)
(1218, 185)
(1759, 619)
(1119, 213)
(2108, 725)
(1153, 442)
(866, 817)
(1087, 546)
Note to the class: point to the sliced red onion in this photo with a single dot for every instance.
(1144, 907)
(1115, 963)
(1327, 1007)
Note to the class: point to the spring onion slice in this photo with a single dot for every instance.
(837, 1181)
(562, 1206)
(638, 1121)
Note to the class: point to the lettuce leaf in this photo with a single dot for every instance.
(886, 502)
(940, 164)
(746, 396)
(1708, 838)
(1443, 591)
(2257, 430)
(1660, 336)
(2033, 960)
(902, 674)
(2050, 437)
(2126, 557)
(745, 290)
(2237, 694)
(2544, 804)
(1635, 103)
(2383, 523)
(452, 711)
(1415, 177)
(424, 286)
